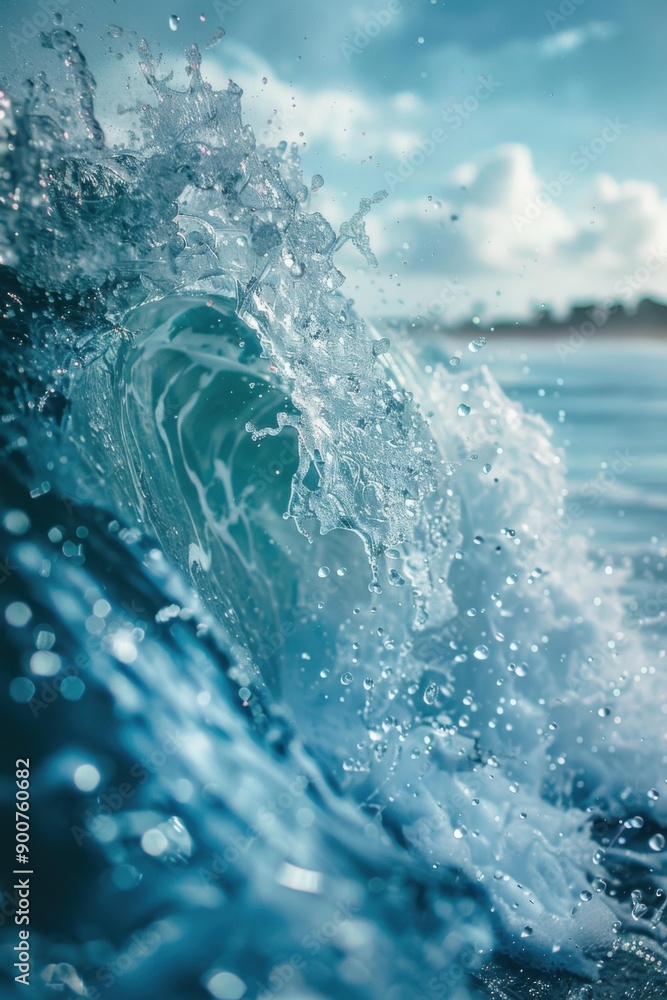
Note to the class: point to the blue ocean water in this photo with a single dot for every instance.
(605, 402)
(606, 405)
(338, 661)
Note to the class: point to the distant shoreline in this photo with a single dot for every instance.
(585, 322)
(565, 334)
(553, 333)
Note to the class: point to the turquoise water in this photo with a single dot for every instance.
(371, 639)
(607, 406)
(606, 403)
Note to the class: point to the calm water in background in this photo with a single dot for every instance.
(606, 404)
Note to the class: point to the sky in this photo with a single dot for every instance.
(522, 144)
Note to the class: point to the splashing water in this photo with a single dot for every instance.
(378, 709)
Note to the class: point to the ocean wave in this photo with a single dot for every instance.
(327, 577)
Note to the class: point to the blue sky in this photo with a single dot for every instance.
(523, 144)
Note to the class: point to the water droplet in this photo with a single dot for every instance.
(217, 37)
(454, 362)
(169, 841)
(21, 690)
(585, 896)
(481, 652)
(18, 614)
(323, 572)
(604, 712)
(16, 522)
(72, 688)
(174, 21)
(657, 842)
(653, 794)
(477, 344)
(431, 693)
(381, 347)
(368, 683)
(346, 678)
(45, 664)
(486, 468)
(526, 932)
(226, 986)
(463, 410)
(87, 778)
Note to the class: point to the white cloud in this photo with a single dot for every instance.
(577, 245)
(584, 242)
(571, 39)
(327, 118)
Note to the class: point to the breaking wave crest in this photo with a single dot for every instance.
(340, 589)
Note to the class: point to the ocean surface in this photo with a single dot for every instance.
(606, 405)
(338, 657)
(604, 401)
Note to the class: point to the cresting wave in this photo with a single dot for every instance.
(374, 550)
